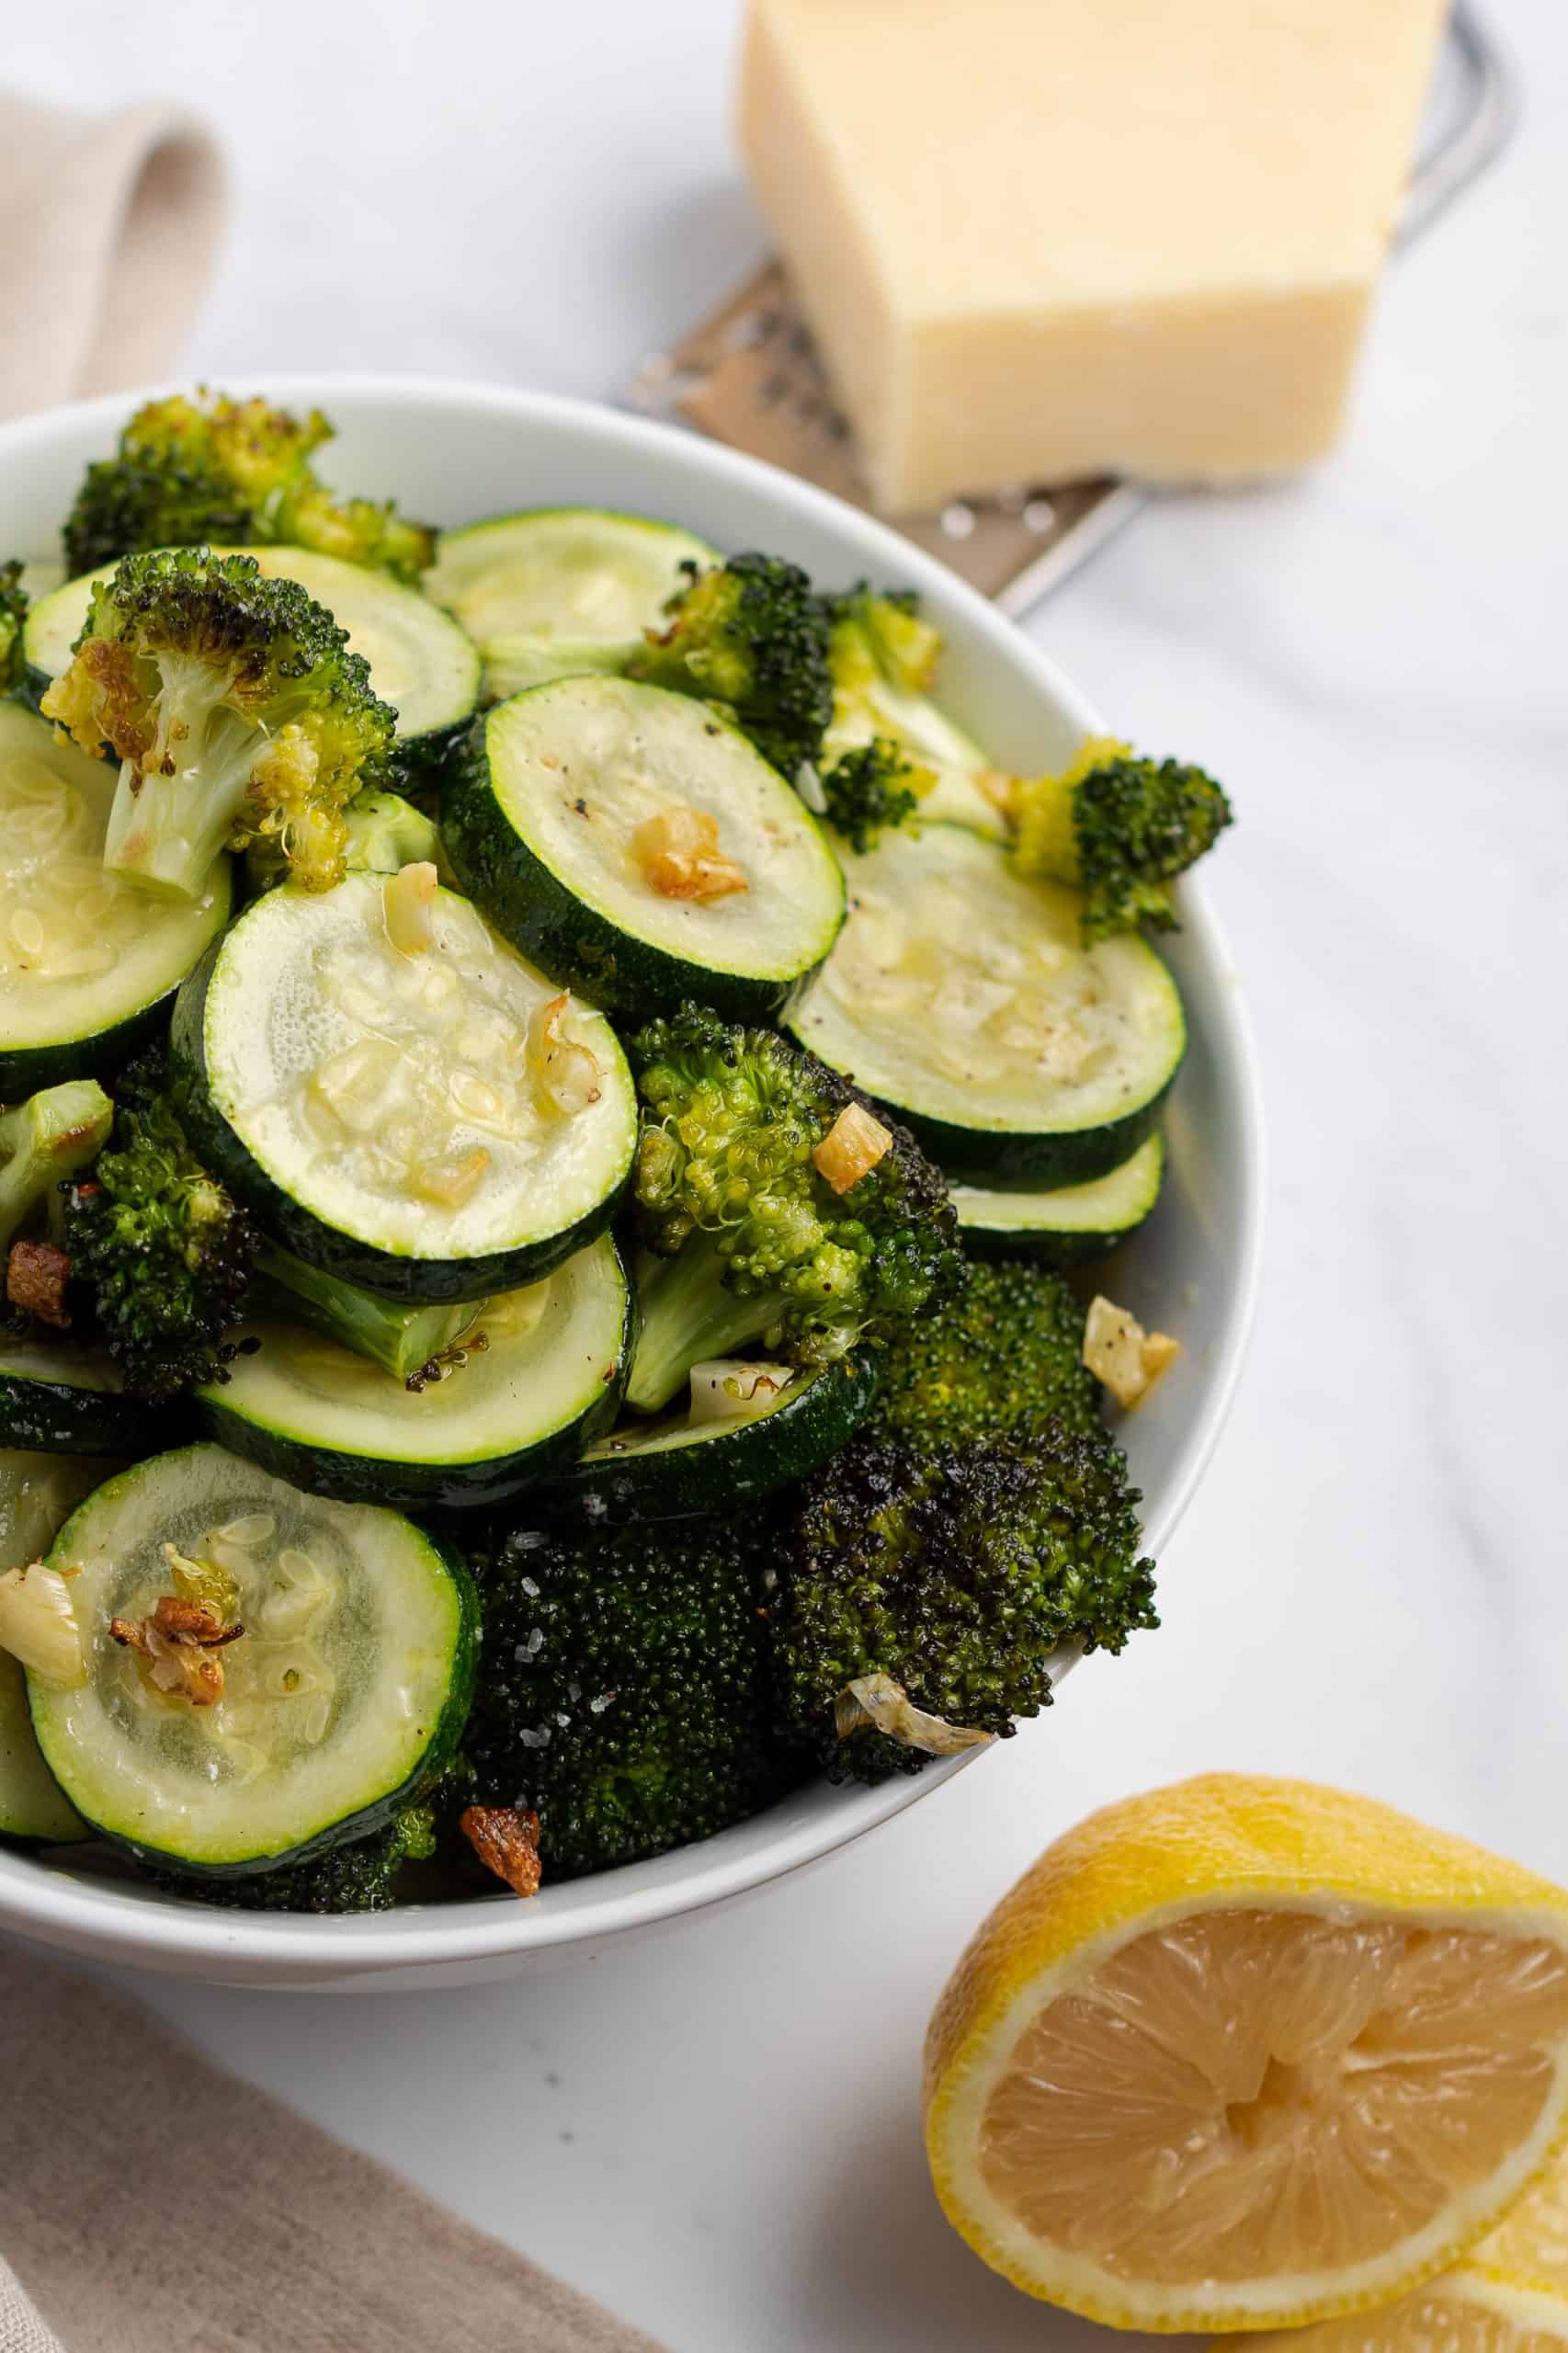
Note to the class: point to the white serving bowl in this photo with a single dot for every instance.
(453, 453)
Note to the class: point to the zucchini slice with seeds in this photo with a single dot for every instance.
(437, 1124)
(534, 1374)
(344, 1697)
(567, 574)
(1069, 1227)
(420, 661)
(89, 966)
(552, 818)
(679, 1466)
(958, 993)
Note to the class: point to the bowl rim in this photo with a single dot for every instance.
(53, 1908)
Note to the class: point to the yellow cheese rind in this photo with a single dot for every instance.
(1039, 239)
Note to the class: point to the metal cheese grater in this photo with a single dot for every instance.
(749, 374)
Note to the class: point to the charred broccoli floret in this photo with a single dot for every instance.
(777, 1207)
(163, 1251)
(625, 1699)
(221, 472)
(920, 1597)
(1007, 1348)
(13, 622)
(238, 712)
(359, 1877)
(750, 635)
(871, 787)
(45, 1141)
(1119, 829)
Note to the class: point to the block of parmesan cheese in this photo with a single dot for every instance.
(1039, 239)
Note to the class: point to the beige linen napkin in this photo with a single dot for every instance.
(152, 2204)
(109, 230)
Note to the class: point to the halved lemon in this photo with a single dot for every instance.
(1246, 2054)
(1508, 2295)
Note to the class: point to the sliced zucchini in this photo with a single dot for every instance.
(1070, 1226)
(960, 995)
(512, 664)
(544, 821)
(345, 1696)
(87, 965)
(61, 1398)
(681, 1466)
(435, 1124)
(572, 572)
(534, 1373)
(34, 1811)
(420, 661)
(37, 1493)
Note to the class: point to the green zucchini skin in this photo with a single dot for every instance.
(58, 1418)
(1064, 1156)
(25, 1068)
(418, 1486)
(741, 1463)
(551, 926)
(1068, 1244)
(407, 1280)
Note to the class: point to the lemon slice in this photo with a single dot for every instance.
(1509, 2295)
(1246, 2054)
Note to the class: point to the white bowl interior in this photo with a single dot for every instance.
(452, 454)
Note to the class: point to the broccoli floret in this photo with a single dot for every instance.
(45, 1141)
(943, 1582)
(872, 787)
(750, 635)
(13, 622)
(1119, 829)
(383, 832)
(625, 1698)
(882, 656)
(231, 474)
(238, 713)
(1005, 1349)
(750, 1241)
(359, 1877)
(163, 1251)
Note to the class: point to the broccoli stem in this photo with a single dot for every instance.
(164, 832)
(45, 1139)
(171, 816)
(400, 1339)
(688, 1316)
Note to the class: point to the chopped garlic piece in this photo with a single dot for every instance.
(886, 1705)
(505, 1839)
(724, 1387)
(852, 1147)
(449, 1180)
(408, 907)
(37, 1625)
(679, 854)
(568, 1076)
(180, 1642)
(1119, 1352)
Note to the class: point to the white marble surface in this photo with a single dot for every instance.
(716, 2132)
